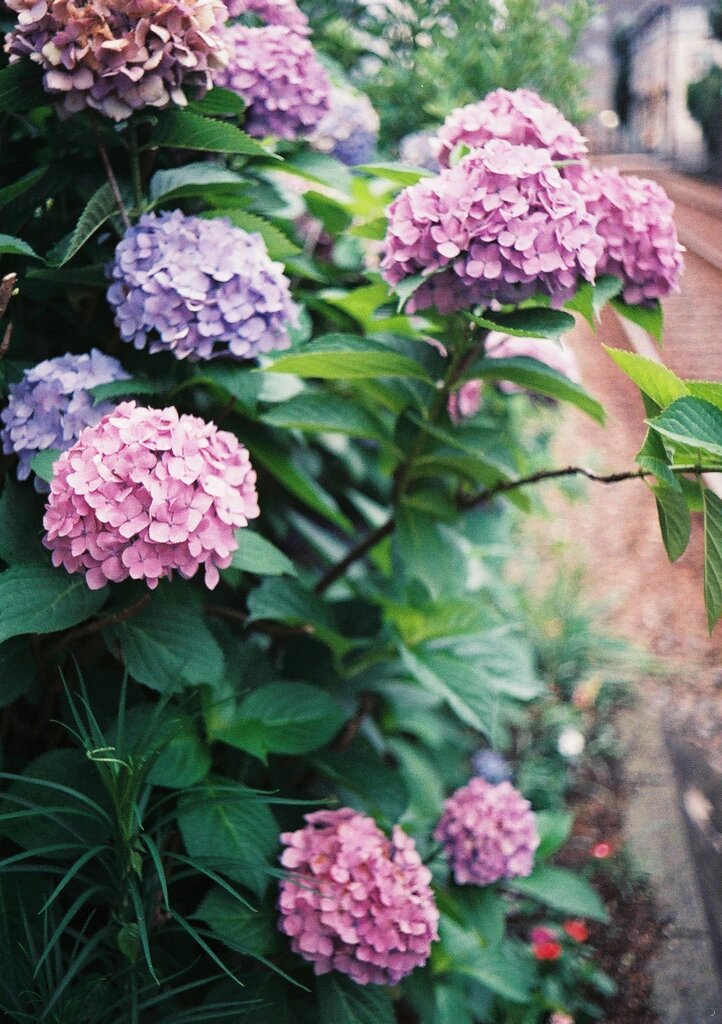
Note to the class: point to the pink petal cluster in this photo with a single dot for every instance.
(500, 227)
(277, 73)
(145, 492)
(466, 401)
(636, 223)
(488, 832)
(554, 354)
(118, 56)
(356, 901)
(271, 12)
(521, 117)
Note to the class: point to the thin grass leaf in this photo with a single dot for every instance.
(205, 947)
(59, 788)
(76, 964)
(70, 874)
(142, 929)
(237, 948)
(67, 917)
(50, 813)
(173, 993)
(213, 1011)
(209, 873)
(158, 865)
(40, 850)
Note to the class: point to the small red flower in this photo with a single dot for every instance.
(601, 850)
(576, 930)
(548, 950)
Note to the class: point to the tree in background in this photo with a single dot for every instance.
(704, 97)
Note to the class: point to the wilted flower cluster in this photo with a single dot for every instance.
(501, 226)
(350, 129)
(488, 832)
(520, 117)
(118, 56)
(145, 492)
(228, 299)
(635, 221)
(276, 71)
(554, 354)
(271, 12)
(420, 149)
(356, 901)
(52, 404)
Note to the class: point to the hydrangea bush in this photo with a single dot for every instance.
(256, 635)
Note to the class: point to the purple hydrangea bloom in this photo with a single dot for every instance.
(488, 832)
(636, 223)
(278, 75)
(51, 405)
(228, 298)
(349, 131)
(119, 57)
(520, 117)
(272, 12)
(500, 227)
(420, 149)
(492, 767)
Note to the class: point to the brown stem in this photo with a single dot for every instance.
(6, 290)
(5, 343)
(110, 175)
(260, 625)
(97, 626)
(370, 541)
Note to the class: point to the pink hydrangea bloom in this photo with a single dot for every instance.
(145, 492)
(356, 901)
(488, 832)
(521, 117)
(554, 354)
(466, 401)
(636, 223)
(277, 73)
(118, 56)
(272, 12)
(501, 226)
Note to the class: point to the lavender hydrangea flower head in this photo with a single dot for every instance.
(118, 56)
(637, 228)
(492, 767)
(52, 404)
(520, 117)
(349, 132)
(148, 492)
(356, 901)
(277, 73)
(554, 354)
(230, 299)
(420, 149)
(272, 12)
(488, 832)
(499, 227)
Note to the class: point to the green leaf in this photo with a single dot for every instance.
(406, 288)
(168, 645)
(674, 520)
(554, 828)
(256, 554)
(17, 669)
(181, 129)
(400, 173)
(280, 599)
(538, 322)
(321, 411)
(540, 378)
(21, 515)
(590, 299)
(346, 357)
(425, 550)
(319, 167)
(333, 215)
(654, 379)
(278, 244)
(99, 208)
(472, 705)
(342, 1001)
(16, 247)
(121, 388)
(692, 422)
(562, 890)
(712, 557)
(43, 463)
(500, 970)
(219, 101)
(232, 832)
(192, 180)
(38, 599)
(709, 390)
(21, 87)
(651, 319)
(252, 930)
(181, 757)
(283, 718)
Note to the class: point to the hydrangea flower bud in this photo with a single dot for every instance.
(272, 12)
(636, 224)
(229, 299)
(492, 767)
(278, 75)
(356, 901)
(52, 404)
(520, 117)
(488, 832)
(350, 129)
(554, 354)
(500, 227)
(146, 492)
(119, 57)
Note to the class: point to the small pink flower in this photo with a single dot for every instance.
(466, 401)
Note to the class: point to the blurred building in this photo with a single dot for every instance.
(643, 57)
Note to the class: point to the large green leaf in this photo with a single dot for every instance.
(229, 830)
(219, 101)
(458, 684)
(650, 318)
(692, 422)
(283, 718)
(319, 411)
(235, 923)
(280, 599)
(21, 87)
(39, 599)
(17, 669)
(16, 247)
(346, 357)
(651, 377)
(590, 299)
(342, 1001)
(168, 645)
(499, 969)
(193, 180)
(399, 173)
(712, 556)
(256, 554)
(21, 516)
(562, 890)
(536, 376)
(278, 244)
(674, 520)
(99, 208)
(554, 828)
(182, 129)
(540, 322)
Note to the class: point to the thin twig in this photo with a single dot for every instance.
(370, 541)
(259, 625)
(5, 343)
(110, 175)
